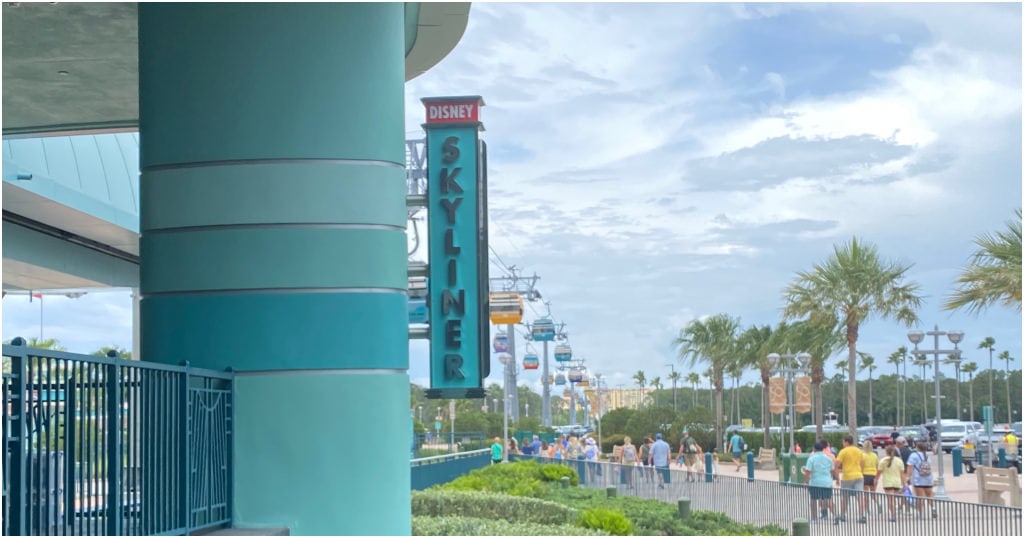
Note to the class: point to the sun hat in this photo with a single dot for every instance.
(590, 441)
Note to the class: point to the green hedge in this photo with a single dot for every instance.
(490, 506)
(472, 526)
(523, 478)
(613, 522)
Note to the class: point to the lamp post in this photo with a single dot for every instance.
(505, 359)
(780, 365)
(955, 337)
(673, 378)
(420, 411)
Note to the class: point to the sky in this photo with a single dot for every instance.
(658, 163)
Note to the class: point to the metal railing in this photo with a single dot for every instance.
(764, 502)
(426, 472)
(105, 446)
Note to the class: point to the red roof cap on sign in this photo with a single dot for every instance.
(462, 109)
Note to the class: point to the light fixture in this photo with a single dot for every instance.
(915, 336)
(955, 336)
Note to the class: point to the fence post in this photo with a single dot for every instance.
(18, 497)
(185, 469)
(610, 491)
(801, 527)
(113, 438)
(684, 507)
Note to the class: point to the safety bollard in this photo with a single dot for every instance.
(750, 466)
(565, 482)
(801, 527)
(610, 491)
(708, 468)
(958, 461)
(684, 507)
(1002, 458)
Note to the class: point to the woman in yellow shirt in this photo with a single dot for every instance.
(893, 481)
(870, 466)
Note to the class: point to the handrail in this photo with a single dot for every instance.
(448, 457)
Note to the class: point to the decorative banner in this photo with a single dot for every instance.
(777, 394)
(457, 249)
(802, 392)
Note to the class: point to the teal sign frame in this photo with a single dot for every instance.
(457, 250)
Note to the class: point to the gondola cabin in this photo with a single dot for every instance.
(585, 382)
(560, 379)
(563, 353)
(530, 361)
(418, 312)
(506, 307)
(417, 287)
(575, 375)
(500, 343)
(543, 330)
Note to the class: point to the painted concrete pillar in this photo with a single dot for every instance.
(273, 242)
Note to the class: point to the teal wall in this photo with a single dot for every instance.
(273, 242)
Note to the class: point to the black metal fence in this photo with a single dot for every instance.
(106, 446)
(764, 502)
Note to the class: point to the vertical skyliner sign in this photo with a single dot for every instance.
(457, 254)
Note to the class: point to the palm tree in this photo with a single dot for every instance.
(693, 378)
(674, 377)
(710, 374)
(1005, 355)
(712, 340)
(989, 343)
(753, 350)
(867, 362)
(993, 275)
(896, 358)
(848, 289)
(641, 380)
(656, 386)
(955, 359)
(969, 368)
(923, 362)
(843, 367)
(735, 371)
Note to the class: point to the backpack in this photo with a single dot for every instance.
(629, 454)
(924, 468)
(591, 452)
(690, 444)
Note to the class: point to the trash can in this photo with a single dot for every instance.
(799, 460)
(785, 467)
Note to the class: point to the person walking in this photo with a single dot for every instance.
(736, 447)
(628, 460)
(496, 451)
(660, 455)
(891, 470)
(688, 450)
(818, 473)
(919, 472)
(645, 458)
(850, 464)
(870, 473)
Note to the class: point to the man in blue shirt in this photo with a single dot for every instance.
(818, 473)
(659, 457)
(736, 447)
(535, 446)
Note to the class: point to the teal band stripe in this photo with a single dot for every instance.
(272, 80)
(272, 258)
(323, 455)
(287, 192)
(271, 331)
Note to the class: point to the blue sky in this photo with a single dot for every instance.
(657, 163)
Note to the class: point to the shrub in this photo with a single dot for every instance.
(608, 442)
(490, 506)
(471, 526)
(613, 522)
(522, 478)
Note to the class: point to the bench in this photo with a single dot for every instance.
(765, 459)
(992, 483)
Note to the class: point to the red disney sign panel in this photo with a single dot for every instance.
(453, 109)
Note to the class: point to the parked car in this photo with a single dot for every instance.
(882, 438)
(956, 433)
(988, 445)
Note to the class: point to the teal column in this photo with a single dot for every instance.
(273, 242)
